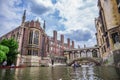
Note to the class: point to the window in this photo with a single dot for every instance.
(94, 53)
(115, 37)
(33, 52)
(17, 35)
(118, 3)
(30, 37)
(36, 37)
(107, 42)
(29, 52)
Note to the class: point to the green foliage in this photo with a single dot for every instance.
(2, 56)
(13, 47)
(3, 51)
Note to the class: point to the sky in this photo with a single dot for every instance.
(73, 18)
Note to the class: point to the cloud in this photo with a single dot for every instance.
(78, 19)
(66, 16)
(79, 35)
(40, 7)
(10, 13)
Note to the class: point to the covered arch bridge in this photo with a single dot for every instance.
(90, 54)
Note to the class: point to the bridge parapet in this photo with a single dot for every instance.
(97, 61)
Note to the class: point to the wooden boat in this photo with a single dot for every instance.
(7, 67)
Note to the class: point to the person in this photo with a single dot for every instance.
(4, 63)
(52, 62)
(12, 65)
(75, 65)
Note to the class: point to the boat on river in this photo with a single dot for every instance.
(7, 67)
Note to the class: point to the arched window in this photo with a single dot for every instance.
(30, 37)
(94, 53)
(36, 37)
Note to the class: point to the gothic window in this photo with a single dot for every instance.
(29, 52)
(35, 52)
(30, 37)
(36, 37)
(13, 36)
(17, 35)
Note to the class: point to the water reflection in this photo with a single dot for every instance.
(61, 73)
(85, 73)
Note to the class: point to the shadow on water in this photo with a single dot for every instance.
(61, 73)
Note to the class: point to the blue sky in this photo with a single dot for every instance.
(73, 18)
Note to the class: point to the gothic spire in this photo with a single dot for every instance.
(44, 25)
(24, 16)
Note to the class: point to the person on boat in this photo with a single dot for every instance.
(75, 65)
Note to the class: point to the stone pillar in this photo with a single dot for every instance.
(68, 42)
(55, 35)
(80, 54)
(69, 55)
(55, 40)
(73, 55)
(62, 44)
(62, 39)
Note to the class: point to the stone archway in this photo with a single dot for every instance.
(89, 59)
(88, 53)
(83, 53)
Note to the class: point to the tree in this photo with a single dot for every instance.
(3, 51)
(13, 49)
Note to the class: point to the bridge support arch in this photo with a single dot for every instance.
(97, 63)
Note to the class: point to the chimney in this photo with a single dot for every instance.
(84, 46)
(62, 39)
(72, 44)
(68, 42)
(55, 35)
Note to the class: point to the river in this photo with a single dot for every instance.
(60, 73)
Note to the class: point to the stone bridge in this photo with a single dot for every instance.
(90, 54)
(97, 61)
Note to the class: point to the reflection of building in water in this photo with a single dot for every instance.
(34, 44)
(108, 30)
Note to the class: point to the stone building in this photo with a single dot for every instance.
(32, 41)
(108, 30)
(35, 46)
(56, 47)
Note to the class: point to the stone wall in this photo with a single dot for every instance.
(116, 57)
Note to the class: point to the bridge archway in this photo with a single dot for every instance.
(83, 53)
(88, 53)
(85, 58)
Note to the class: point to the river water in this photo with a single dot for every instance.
(61, 73)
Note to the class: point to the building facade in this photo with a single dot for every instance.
(108, 31)
(57, 47)
(32, 41)
(35, 46)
